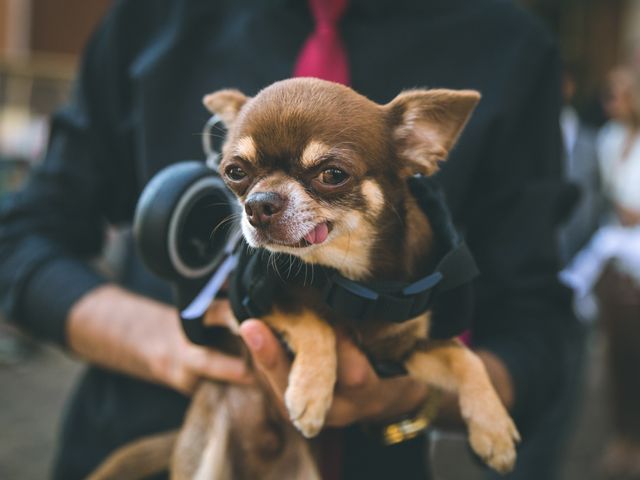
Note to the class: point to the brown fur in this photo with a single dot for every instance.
(234, 433)
(142, 458)
(284, 141)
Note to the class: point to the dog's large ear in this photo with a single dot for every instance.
(427, 123)
(226, 104)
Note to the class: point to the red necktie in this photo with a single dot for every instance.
(323, 54)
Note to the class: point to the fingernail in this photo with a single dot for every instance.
(255, 340)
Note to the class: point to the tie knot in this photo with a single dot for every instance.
(323, 54)
(327, 13)
(325, 28)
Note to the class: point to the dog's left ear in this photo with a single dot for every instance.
(226, 104)
(427, 123)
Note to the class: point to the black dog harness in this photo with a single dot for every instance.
(446, 291)
(258, 278)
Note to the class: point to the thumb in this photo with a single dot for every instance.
(267, 353)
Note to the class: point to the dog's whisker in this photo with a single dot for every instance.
(394, 210)
(290, 266)
(301, 265)
(216, 204)
(218, 226)
(221, 135)
(306, 267)
(312, 273)
(228, 219)
(273, 258)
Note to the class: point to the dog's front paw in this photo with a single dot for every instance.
(308, 409)
(495, 444)
(492, 433)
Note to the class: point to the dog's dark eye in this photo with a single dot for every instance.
(235, 173)
(333, 176)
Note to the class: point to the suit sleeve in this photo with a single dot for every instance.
(523, 314)
(51, 229)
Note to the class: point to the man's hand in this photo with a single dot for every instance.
(141, 337)
(360, 394)
(181, 364)
(628, 217)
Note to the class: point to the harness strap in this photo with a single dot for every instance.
(394, 302)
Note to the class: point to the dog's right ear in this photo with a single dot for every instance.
(226, 104)
(427, 123)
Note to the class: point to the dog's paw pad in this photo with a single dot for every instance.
(307, 412)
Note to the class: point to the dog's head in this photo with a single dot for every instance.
(320, 170)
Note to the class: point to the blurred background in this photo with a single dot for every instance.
(40, 44)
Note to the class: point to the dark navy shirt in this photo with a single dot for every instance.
(137, 108)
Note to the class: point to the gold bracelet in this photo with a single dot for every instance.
(409, 428)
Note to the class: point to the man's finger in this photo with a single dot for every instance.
(267, 353)
(219, 366)
(354, 369)
(219, 314)
(343, 412)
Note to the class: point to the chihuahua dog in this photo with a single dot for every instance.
(321, 174)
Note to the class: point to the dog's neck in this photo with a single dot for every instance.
(405, 249)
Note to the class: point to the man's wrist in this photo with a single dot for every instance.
(118, 330)
(413, 425)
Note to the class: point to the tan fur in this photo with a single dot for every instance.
(313, 372)
(377, 231)
(245, 148)
(373, 194)
(204, 439)
(449, 365)
(312, 152)
(214, 463)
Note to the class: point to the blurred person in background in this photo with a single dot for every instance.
(581, 216)
(582, 169)
(618, 288)
(606, 273)
(137, 108)
(619, 146)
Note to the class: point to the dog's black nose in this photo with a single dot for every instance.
(263, 207)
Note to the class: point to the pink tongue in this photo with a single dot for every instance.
(318, 234)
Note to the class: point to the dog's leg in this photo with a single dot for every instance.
(451, 366)
(215, 463)
(137, 460)
(201, 449)
(313, 372)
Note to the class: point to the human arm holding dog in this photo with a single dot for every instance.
(141, 337)
(129, 333)
(361, 396)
